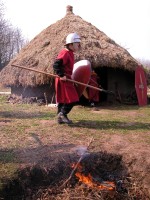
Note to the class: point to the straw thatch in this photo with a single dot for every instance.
(40, 53)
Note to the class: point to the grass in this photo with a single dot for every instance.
(27, 126)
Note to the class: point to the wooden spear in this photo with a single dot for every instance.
(56, 76)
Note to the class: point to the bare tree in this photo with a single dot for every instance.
(144, 62)
(11, 40)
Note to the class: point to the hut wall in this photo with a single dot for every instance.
(38, 92)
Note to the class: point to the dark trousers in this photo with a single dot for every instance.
(65, 108)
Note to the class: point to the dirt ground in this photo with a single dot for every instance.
(59, 144)
(134, 155)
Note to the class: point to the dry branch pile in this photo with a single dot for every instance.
(39, 182)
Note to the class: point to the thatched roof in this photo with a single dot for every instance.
(40, 53)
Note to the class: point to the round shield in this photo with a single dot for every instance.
(81, 73)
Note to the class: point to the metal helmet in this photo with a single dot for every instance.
(72, 38)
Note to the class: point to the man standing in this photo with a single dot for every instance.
(92, 93)
(66, 94)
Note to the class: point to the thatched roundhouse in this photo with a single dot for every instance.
(112, 63)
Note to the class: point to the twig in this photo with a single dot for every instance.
(81, 157)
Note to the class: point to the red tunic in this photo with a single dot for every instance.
(92, 93)
(65, 90)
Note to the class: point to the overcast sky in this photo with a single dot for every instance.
(127, 22)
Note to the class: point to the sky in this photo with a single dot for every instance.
(127, 22)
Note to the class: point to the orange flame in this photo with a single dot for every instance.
(88, 180)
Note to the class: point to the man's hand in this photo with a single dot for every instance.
(64, 78)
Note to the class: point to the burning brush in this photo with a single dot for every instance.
(92, 181)
(88, 179)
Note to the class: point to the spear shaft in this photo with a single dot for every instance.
(56, 76)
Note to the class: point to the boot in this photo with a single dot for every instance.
(62, 118)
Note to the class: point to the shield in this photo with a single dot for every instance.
(141, 86)
(81, 73)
